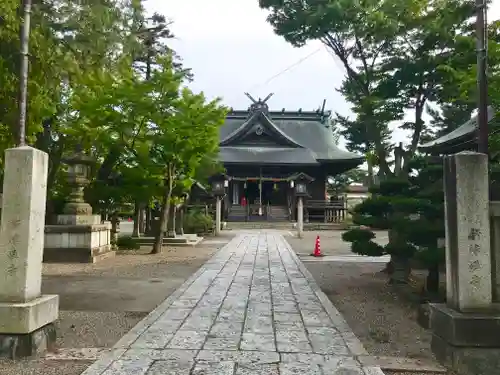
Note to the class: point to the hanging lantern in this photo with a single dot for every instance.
(275, 187)
(245, 185)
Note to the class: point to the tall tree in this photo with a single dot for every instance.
(357, 34)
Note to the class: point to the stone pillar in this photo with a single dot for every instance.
(218, 209)
(468, 257)
(466, 330)
(26, 316)
(300, 217)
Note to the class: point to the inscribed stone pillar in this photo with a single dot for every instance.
(24, 312)
(468, 258)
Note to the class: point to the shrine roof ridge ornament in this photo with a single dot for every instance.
(258, 105)
(319, 114)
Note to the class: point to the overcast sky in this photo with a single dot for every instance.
(232, 49)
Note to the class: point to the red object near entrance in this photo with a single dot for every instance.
(317, 248)
(243, 201)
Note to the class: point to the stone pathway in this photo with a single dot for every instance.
(252, 309)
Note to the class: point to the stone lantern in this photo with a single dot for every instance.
(79, 236)
(219, 185)
(300, 184)
(79, 166)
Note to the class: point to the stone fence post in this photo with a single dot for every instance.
(466, 330)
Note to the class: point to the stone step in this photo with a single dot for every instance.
(260, 225)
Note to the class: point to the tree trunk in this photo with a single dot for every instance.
(401, 270)
(137, 212)
(142, 219)
(165, 209)
(115, 229)
(162, 225)
(172, 221)
(181, 221)
(399, 266)
(147, 229)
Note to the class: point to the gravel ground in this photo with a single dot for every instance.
(101, 302)
(382, 319)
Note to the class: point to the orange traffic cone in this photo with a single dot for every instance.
(317, 248)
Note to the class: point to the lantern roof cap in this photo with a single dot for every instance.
(79, 158)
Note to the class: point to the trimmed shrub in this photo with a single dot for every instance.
(197, 222)
(127, 243)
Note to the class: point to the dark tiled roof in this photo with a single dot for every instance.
(307, 140)
(461, 134)
(267, 155)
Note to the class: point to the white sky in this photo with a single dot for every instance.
(232, 49)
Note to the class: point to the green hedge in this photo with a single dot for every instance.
(197, 222)
(127, 243)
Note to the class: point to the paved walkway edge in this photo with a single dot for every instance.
(122, 345)
(118, 350)
(353, 343)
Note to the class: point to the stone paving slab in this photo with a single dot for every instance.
(253, 308)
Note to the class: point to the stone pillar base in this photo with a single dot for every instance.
(468, 343)
(26, 328)
(77, 243)
(14, 346)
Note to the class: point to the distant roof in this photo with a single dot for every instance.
(306, 138)
(461, 134)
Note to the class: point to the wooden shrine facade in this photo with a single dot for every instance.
(264, 152)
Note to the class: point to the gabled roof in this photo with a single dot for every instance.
(305, 138)
(261, 118)
(462, 134)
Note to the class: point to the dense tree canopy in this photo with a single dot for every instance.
(399, 58)
(404, 62)
(103, 78)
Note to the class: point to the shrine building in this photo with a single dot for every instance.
(264, 152)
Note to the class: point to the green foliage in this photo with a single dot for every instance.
(197, 222)
(127, 243)
(339, 183)
(412, 210)
(358, 235)
(102, 76)
(398, 57)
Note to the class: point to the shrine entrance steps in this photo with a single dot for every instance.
(239, 225)
(252, 309)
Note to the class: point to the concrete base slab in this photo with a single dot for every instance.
(78, 255)
(343, 258)
(184, 240)
(14, 346)
(468, 343)
(475, 328)
(466, 360)
(26, 317)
